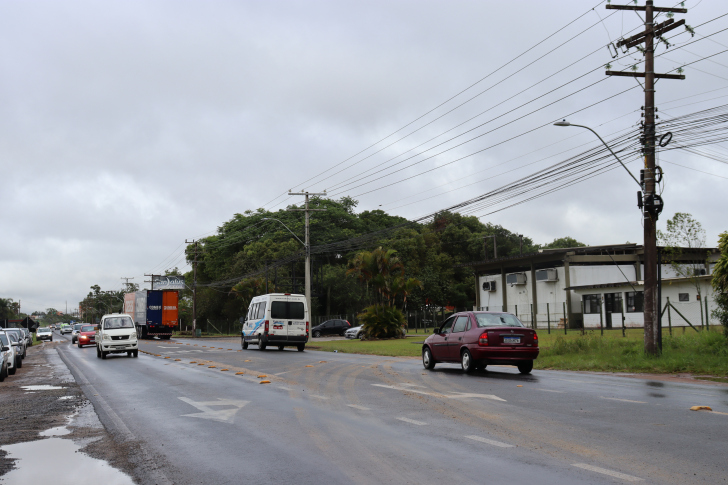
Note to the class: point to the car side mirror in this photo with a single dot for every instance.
(5, 349)
(15, 344)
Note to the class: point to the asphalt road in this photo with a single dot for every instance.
(343, 418)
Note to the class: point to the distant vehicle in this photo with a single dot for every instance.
(154, 312)
(75, 330)
(276, 319)
(116, 334)
(5, 355)
(14, 361)
(331, 327)
(355, 332)
(65, 328)
(28, 337)
(20, 336)
(44, 333)
(483, 338)
(87, 335)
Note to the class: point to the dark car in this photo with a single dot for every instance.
(476, 339)
(331, 327)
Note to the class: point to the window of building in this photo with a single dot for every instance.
(635, 301)
(591, 303)
(683, 296)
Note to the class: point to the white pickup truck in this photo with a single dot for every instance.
(116, 335)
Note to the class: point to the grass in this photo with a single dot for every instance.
(704, 353)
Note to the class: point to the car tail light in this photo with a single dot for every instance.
(483, 339)
(266, 326)
(306, 328)
(535, 338)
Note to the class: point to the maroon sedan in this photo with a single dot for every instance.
(476, 339)
(87, 335)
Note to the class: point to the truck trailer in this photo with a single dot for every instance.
(154, 312)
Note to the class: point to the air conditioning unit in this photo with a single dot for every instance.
(516, 279)
(489, 286)
(547, 275)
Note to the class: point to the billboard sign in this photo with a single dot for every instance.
(168, 282)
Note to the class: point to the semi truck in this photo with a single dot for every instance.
(154, 312)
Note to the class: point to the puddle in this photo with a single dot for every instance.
(39, 462)
(655, 384)
(43, 387)
(57, 431)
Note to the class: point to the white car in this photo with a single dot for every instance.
(44, 333)
(355, 332)
(116, 335)
(14, 360)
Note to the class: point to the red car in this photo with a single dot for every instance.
(87, 335)
(476, 339)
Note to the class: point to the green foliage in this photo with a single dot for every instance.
(381, 321)
(720, 283)
(563, 242)
(8, 308)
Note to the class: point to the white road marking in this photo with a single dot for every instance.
(490, 442)
(407, 384)
(318, 397)
(222, 415)
(285, 388)
(412, 421)
(361, 408)
(623, 400)
(551, 390)
(611, 473)
(457, 395)
(281, 373)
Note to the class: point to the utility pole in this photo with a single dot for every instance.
(652, 203)
(194, 289)
(495, 247)
(152, 280)
(307, 244)
(127, 281)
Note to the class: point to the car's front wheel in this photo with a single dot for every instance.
(103, 354)
(11, 371)
(466, 360)
(244, 344)
(79, 345)
(427, 359)
(136, 353)
(525, 367)
(301, 347)
(316, 334)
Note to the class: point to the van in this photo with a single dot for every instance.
(276, 319)
(116, 335)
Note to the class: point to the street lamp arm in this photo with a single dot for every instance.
(289, 230)
(566, 123)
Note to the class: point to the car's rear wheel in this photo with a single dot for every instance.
(3, 373)
(11, 371)
(427, 359)
(281, 347)
(301, 347)
(261, 345)
(19, 362)
(316, 334)
(525, 367)
(466, 360)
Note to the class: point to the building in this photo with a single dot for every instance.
(595, 285)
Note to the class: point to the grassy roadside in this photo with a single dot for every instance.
(704, 353)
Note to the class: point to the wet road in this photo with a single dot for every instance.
(342, 418)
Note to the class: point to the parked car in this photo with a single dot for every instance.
(28, 337)
(331, 327)
(20, 336)
(74, 331)
(116, 334)
(44, 333)
(11, 343)
(4, 358)
(87, 335)
(355, 332)
(65, 328)
(477, 339)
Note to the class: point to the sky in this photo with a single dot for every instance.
(128, 127)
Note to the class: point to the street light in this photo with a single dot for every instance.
(566, 123)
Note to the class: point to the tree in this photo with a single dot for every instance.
(563, 242)
(684, 232)
(720, 283)
(6, 308)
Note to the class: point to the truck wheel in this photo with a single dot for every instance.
(301, 347)
(136, 353)
(103, 354)
(129, 353)
(281, 347)
(261, 346)
(98, 352)
(243, 343)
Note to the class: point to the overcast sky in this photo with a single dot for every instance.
(127, 127)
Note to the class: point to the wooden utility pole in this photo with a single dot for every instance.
(194, 289)
(307, 243)
(651, 203)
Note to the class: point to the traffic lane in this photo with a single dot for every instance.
(583, 414)
(272, 432)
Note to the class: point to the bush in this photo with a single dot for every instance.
(382, 321)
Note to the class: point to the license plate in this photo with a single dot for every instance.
(511, 340)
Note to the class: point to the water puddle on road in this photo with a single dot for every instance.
(41, 388)
(40, 462)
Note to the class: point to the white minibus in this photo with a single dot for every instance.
(276, 319)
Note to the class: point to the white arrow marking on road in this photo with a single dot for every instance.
(222, 415)
(457, 395)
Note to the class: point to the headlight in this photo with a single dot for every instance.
(107, 336)
(132, 336)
